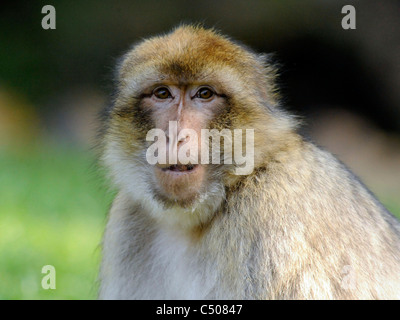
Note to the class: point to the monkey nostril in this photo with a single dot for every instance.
(183, 139)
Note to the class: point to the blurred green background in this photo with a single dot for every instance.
(53, 83)
(52, 212)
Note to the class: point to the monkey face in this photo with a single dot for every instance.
(181, 112)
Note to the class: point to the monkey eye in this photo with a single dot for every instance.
(204, 93)
(162, 93)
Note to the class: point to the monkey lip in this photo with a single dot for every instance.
(180, 168)
(180, 184)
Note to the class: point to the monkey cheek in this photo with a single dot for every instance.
(180, 186)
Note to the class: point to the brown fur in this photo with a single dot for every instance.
(301, 226)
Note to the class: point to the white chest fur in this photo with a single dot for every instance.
(177, 270)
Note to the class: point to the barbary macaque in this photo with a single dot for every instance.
(187, 223)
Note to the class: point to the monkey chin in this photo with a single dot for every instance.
(185, 200)
(179, 184)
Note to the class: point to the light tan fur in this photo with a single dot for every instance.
(301, 226)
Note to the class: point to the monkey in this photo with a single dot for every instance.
(300, 225)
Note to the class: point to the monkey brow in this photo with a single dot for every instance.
(138, 87)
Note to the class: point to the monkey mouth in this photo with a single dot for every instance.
(180, 168)
(180, 182)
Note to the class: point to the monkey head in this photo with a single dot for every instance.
(191, 79)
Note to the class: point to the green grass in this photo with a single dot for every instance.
(52, 212)
(53, 209)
